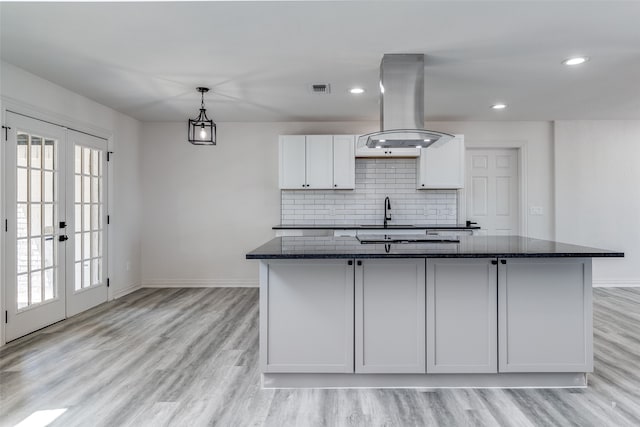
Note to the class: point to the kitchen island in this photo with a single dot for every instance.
(481, 311)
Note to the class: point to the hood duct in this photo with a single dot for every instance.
(402, 106)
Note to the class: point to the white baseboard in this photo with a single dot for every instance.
(200, 283)
(616, 283)
(126, 291)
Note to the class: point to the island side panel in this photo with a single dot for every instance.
(306, 316)
(390, 316)
(545, 315)
(462, 318)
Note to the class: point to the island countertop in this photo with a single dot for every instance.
(323, 247)
(374, 227)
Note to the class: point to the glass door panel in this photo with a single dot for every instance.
(87, 283)
(35, 199)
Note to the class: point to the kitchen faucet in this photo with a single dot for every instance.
(387, 208)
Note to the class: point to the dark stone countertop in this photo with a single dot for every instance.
(374, 227)
(313, 247)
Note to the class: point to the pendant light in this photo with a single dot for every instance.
(202, 130)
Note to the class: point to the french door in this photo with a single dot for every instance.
(55, 246)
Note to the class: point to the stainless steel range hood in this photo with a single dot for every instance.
(402, 106)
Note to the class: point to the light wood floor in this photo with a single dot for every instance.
(188, 357)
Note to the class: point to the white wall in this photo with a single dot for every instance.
(27, 93)
(206, 207)
(597, 168)
(538, 138)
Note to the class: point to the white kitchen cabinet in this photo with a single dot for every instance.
(462, 316)
(390, 316)
(344, 165)
(545, 315)
(442, 166)
(363, 151)
(292, 162)
(306, 316)
(317, 162)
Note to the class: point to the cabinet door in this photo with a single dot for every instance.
(442, 166)
(344, 162)
(402, 152)
(545, 315)
(292, 162)
(462, 316)
(363, 151)
(306, 316)
(319, 161)
(390, 316)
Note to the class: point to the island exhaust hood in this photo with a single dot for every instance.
(402, 106)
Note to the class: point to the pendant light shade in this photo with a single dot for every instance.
(202, 130)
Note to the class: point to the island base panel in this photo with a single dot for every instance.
(520, 380)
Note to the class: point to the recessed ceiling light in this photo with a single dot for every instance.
(418, 146)
(576, 60)
(427, 140)
(382, 140)
(499, 106)
(356, 90)
(377, 146)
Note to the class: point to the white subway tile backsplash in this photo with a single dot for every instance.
(375, 179)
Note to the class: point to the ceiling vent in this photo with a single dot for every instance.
(321, 88)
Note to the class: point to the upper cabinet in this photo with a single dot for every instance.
(317, 162)
(442, 167)
(363, 151)
(344, 165)
(293, 161)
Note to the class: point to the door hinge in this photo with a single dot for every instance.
(6, 316)
(6, 130)
(108, 284)
(109, 153)
(108, 219)
(6, 225)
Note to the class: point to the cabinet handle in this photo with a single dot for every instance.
(503, 261)
(359, 262)
(303, 185)
(335, 185)
(494, 262)
(423, 185)
(350, 262)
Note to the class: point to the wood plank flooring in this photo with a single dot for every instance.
(188, 357)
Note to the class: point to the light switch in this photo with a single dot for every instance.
(536, 210)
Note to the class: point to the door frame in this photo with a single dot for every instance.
(9, 104)
(521, 146)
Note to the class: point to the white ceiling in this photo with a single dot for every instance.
(259, 58)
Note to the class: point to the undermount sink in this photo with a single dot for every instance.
(373, 239)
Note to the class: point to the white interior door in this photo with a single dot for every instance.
(493, 190)
(87, 245)
(35, 194)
